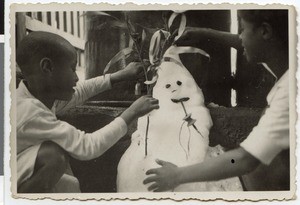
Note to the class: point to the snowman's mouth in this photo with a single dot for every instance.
(173, 91)
(180, 100)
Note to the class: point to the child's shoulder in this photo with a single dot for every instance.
(29, 103)
(29, 109)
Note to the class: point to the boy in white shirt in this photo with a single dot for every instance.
(48, 63)
(264, 38)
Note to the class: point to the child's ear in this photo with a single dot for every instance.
(46, 65)
(267, 31)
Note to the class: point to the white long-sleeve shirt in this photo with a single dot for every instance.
(271, 135)
(36, 123)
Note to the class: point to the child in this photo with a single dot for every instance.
(48, 63)
(265, 39)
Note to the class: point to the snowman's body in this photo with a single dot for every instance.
(169, 136)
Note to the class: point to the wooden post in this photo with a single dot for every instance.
(61, 20)
(101, 46)
(81, 25)
(53, 19)
(20, 34)
(69, 25)
(34, 15)
(44, 18)
(75, 23)
(21, 26)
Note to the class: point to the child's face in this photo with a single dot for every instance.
(64, 76)
(252, 42)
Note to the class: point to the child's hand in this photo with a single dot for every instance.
(144, 105)
(164, 178)
(133, 71)
(140, 107)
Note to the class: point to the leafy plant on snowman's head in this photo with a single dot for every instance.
(149, 38)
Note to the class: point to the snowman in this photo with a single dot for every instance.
(177, 132)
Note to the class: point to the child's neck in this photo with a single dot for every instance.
(41, 95)
(47, 102)
(278, 61)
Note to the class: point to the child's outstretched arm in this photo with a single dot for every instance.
(194, 35)
(95, 144)
(232, 163)
(91, 87)
(81, 145)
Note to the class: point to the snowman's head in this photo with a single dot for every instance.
(175, 84)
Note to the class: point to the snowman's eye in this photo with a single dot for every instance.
(168, 85)
(179, 82)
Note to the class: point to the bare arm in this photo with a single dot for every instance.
(193, 35)
(232, 163)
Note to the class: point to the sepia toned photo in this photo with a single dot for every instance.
(153, 102)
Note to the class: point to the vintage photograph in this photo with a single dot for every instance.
(112, 102)
(2, 118)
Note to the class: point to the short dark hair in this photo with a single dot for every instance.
(38, 45)
(278, 19)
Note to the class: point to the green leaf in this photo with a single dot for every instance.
(144, 35)
(171, 19)
(152, 75)
(153, 80)
(123, 54)
(131, 27)
(181, 26)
